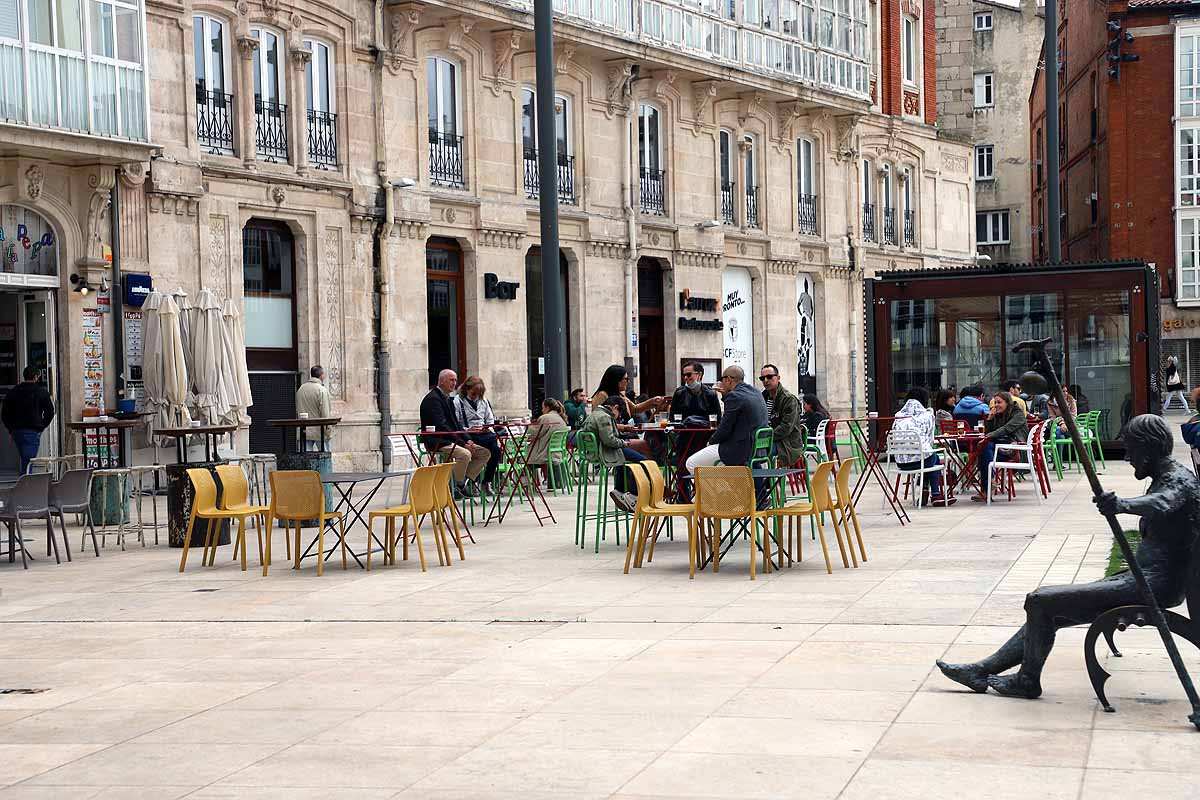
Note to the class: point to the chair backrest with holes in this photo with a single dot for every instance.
(818, 487)
(421, 493)
(841, 484)
(297, 494)
(204, 489)
(724, 492)
(234, 489)
(904, 443)
(73, 491)
(822, 437)
(658, 487)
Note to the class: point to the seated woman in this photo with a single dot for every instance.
(943, 405)
(916, 417)
(814, 414)
(1056, 413)
(475, 413)
(553, 418)
(615, 383)
(614, 453)
(1006, 423)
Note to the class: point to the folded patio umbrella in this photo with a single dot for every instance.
(152, 373)
(173, 412)
(208, 358)
(236, 373)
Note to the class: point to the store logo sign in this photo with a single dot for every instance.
(705, 304)
(496, 289)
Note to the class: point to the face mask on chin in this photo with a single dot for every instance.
(693, 384)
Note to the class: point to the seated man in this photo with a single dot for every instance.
(437, 411)
(745, 412)
(693, 404)
(1170, 513)
(972, 406)
(785, 415)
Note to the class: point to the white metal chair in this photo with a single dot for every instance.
(904, 446)
(1024, 460)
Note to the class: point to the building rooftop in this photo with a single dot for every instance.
(1009, 269)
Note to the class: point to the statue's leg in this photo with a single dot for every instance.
(975, 676)
(1052, 607)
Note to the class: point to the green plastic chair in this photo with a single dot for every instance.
(589, 451)
(559, 474)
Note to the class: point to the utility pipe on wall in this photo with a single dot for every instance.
(630, 187)
(383, 232)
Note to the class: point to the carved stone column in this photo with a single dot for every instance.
(301, 55)
(740, 179)
(246, 46)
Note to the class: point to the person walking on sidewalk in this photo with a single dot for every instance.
(27, 412)
(1174, 384)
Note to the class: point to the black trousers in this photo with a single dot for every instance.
(489, 442)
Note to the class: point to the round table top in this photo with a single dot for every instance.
(308, 422)
(196, 430)
(95, 422)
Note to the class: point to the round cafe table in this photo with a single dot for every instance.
(294, 454)
(179, 488)
(110, 453)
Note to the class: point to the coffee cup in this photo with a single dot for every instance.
(303, 415)
(712, 419)
(430, 428)
(872, 414)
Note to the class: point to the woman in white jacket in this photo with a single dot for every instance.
(476, 417)
(917, 417)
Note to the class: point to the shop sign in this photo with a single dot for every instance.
(737, 318)
(137, 288)
(1181, 325)
(27, 243)
(496, 289)
(687, 302)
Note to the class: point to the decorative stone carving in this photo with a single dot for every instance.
(952, 162)
(400, 27)
(783, 267)
(912, 104)
(698, 258)
(789, 113)
(246, 46)
(278, 195)
(619, 72)
(505, 45)
(564, 54)
(741, 248)
(270, 9)
(35, 178)
(101, 183)
(333, 343)
(665, 84)
(457, 31)
(499, 238)
(362, 224)
(911, 8)
(598, 249)
(450, 215)
(844, 128)
(750, 105)
(218, 252)
(178, 204)
(704, 94)
(409, 229)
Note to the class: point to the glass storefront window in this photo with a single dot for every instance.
(1098, 342)
(947, 342)
(27, 243)
(1033, 316)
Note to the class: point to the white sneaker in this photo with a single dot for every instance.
(624, 500)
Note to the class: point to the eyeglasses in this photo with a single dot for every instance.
(766, 378)
(688, 374)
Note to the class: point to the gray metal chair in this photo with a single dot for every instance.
(28, 499)
(72, 495)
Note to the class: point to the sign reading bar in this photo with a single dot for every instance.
(496, 289)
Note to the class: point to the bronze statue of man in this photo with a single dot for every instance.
(1170, 525)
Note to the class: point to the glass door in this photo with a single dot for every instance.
(37, 350)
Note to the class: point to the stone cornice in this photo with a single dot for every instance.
(598, 249)
(699, 258)
(497, 237)
(409, 228)
(362, 223)
(783, 267)
(168, 203)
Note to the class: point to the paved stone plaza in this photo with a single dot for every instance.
(535, 670)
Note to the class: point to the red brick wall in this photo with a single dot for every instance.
(929, 38)
(889, 57)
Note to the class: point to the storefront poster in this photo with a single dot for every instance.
(738, 318)
(806, 334)
(93, 360)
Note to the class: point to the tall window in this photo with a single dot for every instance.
(985, 166)
(806, 187)
(867, 186)
(751, 178)
(214, 106)
(909, 44)
(270, 137)
(320, 97)
(1187, 136)
(1189, 259)
(888, 196)
(653, 184)
(56, 71)
(727, 170)
(1188, 58)
(1189, 167)
(908, 197)
(442, 82)
(991, 227)
(984, 88)
(269, 288)
(562, 135)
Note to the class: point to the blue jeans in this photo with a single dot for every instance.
(27, 443)
(623, 481)
(935, 478)
(986, 455)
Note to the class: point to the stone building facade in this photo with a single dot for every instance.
(987, 53)
(358, 177)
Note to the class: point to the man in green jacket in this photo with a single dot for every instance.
(602, 423)
(784, 414)
(577, 408)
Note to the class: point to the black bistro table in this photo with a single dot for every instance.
(767, 483)
(354, 511)
(179, 488)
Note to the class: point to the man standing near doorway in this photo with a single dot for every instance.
(313, 399)
(27, 412)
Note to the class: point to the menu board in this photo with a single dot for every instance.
(133, 342)
(93, 360)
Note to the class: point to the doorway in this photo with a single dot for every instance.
(651, 339)
(444, 308)
(535, 325)
(28, 334)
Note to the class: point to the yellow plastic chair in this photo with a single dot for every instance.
(651, 514)
(421, 500)
(844, 503)
(445, 502)
(820, 502)
(727, 493)
(235, 496)
(297, 495)
(204, 506)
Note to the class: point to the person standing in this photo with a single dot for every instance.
(1174, 384)
(27, 412)
(745, 412)
(312, 399)
(437, 412)
(784, 416)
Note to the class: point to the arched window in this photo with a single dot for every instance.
(442, 83)
(28, 245)
(214, 103)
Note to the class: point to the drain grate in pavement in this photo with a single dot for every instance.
(23, 691)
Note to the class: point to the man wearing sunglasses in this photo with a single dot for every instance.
(693, 398)
(784, 414)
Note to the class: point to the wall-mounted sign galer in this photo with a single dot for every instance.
(496, 289)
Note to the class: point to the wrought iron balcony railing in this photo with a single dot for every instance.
(214, 120)
(806, 215)
(751, 206)
(910, 228)
(270, 132)
(889, 226)
(566, 177)
(322, 139)
(868, 222)
(728, 215)
(653, 192)
(446, 160)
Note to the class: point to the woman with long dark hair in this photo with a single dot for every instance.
(943, 404)
(1006, 423)
(814, 412)
(615, 382)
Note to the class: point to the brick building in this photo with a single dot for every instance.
(1130, 165)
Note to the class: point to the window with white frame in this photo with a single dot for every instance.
(752, 12)
(1189, 259)
(268, 67)
(751, 163)
(984, 90)
(868, 182)
(985, 165)
(210, 51)
(529, 134)
(983, 21)
(442, 84)
(909, 47)
(649, 138)
(1187, 56)
(74, 64)
(1189, 167)
(889, 200)
(991, 227)
(806, 181)
(320, 104)
(725, 157)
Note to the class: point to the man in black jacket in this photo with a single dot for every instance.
(745, 412)
(437, 412)
(27, 412)
(693, 398)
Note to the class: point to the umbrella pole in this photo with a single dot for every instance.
(1038, 348)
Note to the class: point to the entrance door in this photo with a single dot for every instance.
(651, 341)
(38, 351)
(444, 309)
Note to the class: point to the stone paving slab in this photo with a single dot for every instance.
(538, 670)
